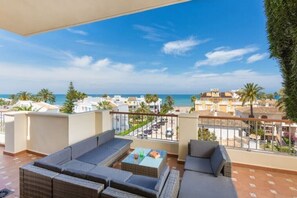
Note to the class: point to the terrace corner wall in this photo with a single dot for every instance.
(81, 126)
(47, 133)
(188, 129)
(15, 133)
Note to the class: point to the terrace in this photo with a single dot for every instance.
(257, 169)
(262, 151)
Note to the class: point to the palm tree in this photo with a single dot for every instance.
(104, 105)
(148, 98)
(155, 99)
(249, 94)
(23, 95)
(170, 102)
(280, 104)
(13, 98)
(46, 96)
(193, 100)
(24, 108)
(143, 108)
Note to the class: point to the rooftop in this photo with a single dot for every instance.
(249, 181)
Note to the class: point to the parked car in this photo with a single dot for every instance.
(169, 133)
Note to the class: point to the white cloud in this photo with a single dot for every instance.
(156, 70)
(106, 75)
(180, 47)
(83, 61)
(222, 56)
(74, 31)
(84, 42)
(256, 57)
(150, 33)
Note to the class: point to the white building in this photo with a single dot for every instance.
(37, 106)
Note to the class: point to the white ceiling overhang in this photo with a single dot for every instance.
(27, 17)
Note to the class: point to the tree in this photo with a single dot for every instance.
(155, 99)
(148, 98)
(104, 105)
(24, 108)
(249, 94)
(143, 108)
(280, 104)
(13, 98)
(104, 96)
(170, 102)
(71, 97)
(193, 100)
(46, 95)
(24, 95)
(206, 135)
(282, 36)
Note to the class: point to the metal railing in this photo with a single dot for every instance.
(2, 123)
(146, 125)
(267, 135)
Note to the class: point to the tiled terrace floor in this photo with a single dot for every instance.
(249, 182)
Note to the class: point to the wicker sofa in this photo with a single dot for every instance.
(37, 179)
(207, 165)
(82, 170)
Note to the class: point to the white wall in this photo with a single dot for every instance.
(81, 126)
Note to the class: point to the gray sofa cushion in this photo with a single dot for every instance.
(59, 157)
(105, 137)
(144, 181)
(196, 184)
(49, 166)
(55, 161)
(162, 179)
(132, 188)
(78, 165)
(111, 173)
(98, 178)
(75, 173)
(198, 164)
(217, 161)
(119, 143)
(98, 155)
(199, 148)
(82, 147)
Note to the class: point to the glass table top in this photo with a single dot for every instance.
(146, 160)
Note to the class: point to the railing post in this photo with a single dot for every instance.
(188, 129)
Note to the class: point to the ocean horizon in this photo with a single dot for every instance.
(179, 99)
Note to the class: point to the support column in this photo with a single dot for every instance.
(188, 129)
(103, 121)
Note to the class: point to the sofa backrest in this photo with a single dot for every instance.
(201, 148)
(105, 137)
(217, 161)
(133, 188)
(162, 179)
(54, 161)
(83, 147)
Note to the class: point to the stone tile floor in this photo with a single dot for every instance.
(249, 182)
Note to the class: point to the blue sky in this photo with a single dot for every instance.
(184, 48)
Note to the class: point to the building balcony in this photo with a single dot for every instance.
(262, 165)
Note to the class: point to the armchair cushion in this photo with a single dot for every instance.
(198, 164)
(199, 148)
(217, 161)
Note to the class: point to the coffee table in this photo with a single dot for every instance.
(145, 165)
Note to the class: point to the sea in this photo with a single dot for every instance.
(179, 99)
